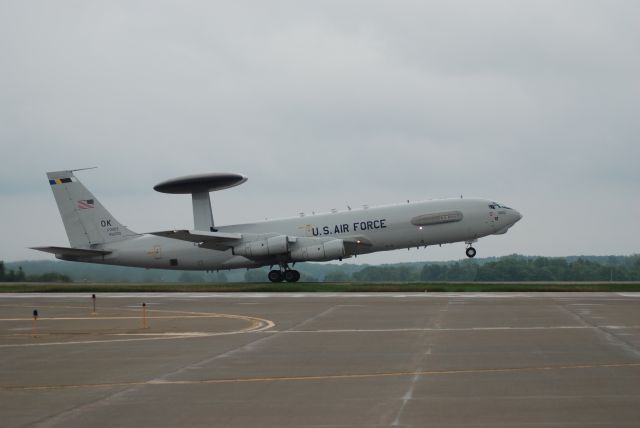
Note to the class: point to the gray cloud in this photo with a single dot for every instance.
(322, 104)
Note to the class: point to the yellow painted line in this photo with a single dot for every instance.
(114, 309)
(185, 334)
(187, 315)
(184, 312)
(160, 336)
(318, 377)
(255, 325)
(232, 316)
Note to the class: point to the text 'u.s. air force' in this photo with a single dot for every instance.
(347, 228)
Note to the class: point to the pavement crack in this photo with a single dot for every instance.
(608, 335)
(421, 360)
(313, 318)
(406, 397)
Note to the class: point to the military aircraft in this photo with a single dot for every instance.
(95, 236)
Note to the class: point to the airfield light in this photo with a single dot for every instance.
(34, 329)
(144, 315)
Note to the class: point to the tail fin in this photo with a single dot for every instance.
(86, 221)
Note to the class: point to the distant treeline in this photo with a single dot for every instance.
(510, 268)
(503, 269)
(20, 276)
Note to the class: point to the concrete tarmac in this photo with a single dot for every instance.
(321, 360)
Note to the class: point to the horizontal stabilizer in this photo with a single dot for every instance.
(213, 240)
(62, 252)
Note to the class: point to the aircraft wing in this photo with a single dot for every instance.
(212, 240)
(72, 252)
(223, 241)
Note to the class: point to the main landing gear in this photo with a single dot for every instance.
(284, 274)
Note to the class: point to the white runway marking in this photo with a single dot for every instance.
(419, 329)
(585, 304)
(115, 318)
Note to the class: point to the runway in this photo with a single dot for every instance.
(320, 360)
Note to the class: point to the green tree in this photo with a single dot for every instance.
(20, 276)
(49, 277)
(337, 276)
(433, 272)
(217, 277)
(255, 275)
(386, 273)
(190, 277)
(466, 270)
(305, 277)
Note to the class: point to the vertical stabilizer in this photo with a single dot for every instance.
(86, 221)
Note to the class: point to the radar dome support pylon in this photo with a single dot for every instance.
(202, 211)
(199, 186)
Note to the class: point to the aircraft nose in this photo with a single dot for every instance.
(517, 215)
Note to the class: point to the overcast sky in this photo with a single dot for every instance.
(535, 104)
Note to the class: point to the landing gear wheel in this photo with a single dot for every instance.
(275, 276)
(291, 275)
(471, 252)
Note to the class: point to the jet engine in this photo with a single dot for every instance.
(263, 248)
(328, 250)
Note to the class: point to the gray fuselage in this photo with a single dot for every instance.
(381, 228)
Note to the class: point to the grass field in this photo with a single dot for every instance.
(14, 287)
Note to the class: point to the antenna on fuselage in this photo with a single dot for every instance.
(82, 169)
(199, 186)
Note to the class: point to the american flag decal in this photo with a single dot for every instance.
(85, 204)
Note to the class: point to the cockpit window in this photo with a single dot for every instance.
(495, 205)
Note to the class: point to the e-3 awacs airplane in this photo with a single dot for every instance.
(97, 237)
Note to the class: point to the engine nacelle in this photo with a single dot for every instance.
(321, 251)
(263, 248)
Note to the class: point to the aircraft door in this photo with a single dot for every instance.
(155, 252)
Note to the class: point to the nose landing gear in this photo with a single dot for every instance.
(470, 251)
